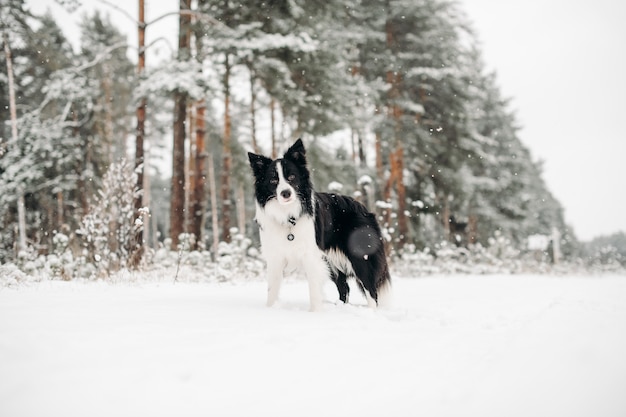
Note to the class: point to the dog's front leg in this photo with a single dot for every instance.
(316, 273)
(274, 279)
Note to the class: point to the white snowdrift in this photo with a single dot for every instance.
(451, 346)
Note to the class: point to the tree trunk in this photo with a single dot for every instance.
(107, 87)
(378, 145)
(177, 198)
(353, 141)
(472, 229)
(273, 125)
(60, 204)
(81, 166)
(241, 208)
(198, 187)
(139, 137)
(148, 221)
(394, 79)
(403, 225)
(361, 149)
(445, 219)
(21, 211)
(21, 222)
(214, 212)
(225, 183)
(198, 205)
(255, 146)
(190, 168)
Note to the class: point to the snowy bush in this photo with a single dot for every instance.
(501, 247)
(446, 258)
(237, 258)
(186, 241)
(109, 230)
(60, 242)
(11, 275)
(607, 259)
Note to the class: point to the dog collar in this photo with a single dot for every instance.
(292, 222)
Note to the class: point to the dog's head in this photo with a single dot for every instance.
(285, 180)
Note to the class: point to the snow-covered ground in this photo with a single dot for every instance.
(451, 346)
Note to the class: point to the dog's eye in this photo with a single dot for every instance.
(274, 181)
(291, 177)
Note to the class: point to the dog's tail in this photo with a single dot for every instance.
(384, 292)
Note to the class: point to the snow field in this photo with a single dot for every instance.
(450, 346)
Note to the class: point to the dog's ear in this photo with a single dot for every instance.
(296, 153)
(259, 164)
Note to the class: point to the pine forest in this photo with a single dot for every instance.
(110, 161)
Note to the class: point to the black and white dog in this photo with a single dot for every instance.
(322, 235)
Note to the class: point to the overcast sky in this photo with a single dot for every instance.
(562, 63)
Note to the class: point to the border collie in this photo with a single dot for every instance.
(324, 235)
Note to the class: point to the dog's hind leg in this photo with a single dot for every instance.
(369, 292)
(341, 281)
(366, 278)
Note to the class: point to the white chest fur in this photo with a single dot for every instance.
(276, 245)
(286, 256)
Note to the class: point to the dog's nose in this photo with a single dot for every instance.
(285, 194)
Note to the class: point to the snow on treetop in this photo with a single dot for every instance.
(335, 186)
(364, 180)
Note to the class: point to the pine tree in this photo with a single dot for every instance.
(72, 107)
(13, 20)
(406, 75)
(143, 198)
(419, 54)
(198, 192)
(105, 46)
(177, 197)
(41, 145)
